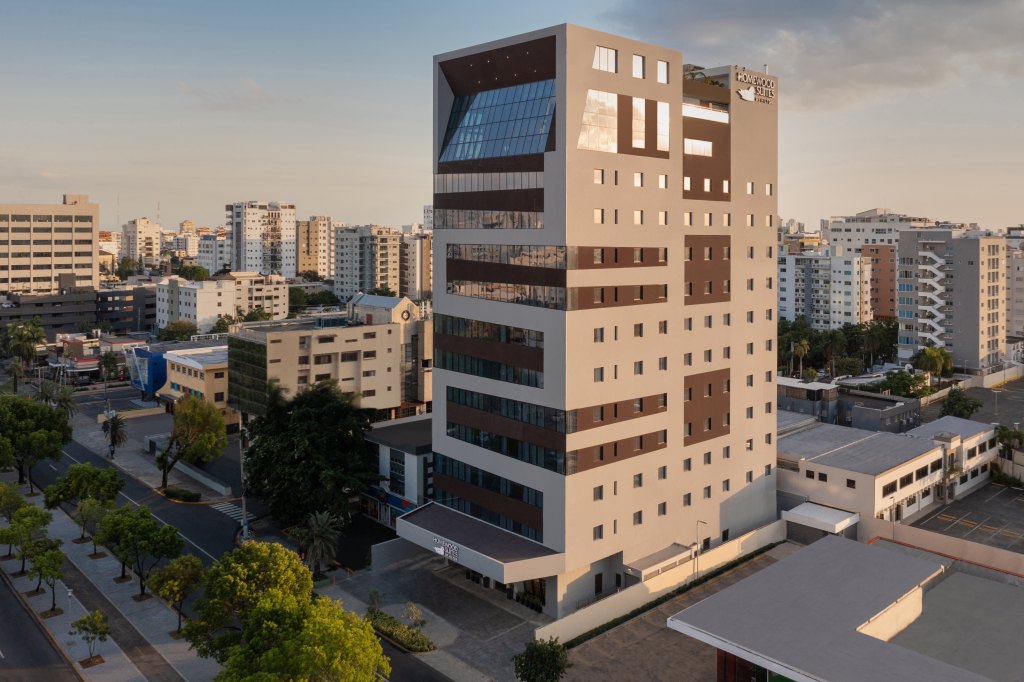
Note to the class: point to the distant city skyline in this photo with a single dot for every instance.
(190, 106)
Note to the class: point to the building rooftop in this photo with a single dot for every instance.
(843, 447)
(965, 428)
(370, 300)
(412, 435)
(203, 357)
(800, 383)
(787, 420)
(805, 617)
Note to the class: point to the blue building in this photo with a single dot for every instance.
(147, 367)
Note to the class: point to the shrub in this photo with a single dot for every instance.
(182, 494)
(410, 638)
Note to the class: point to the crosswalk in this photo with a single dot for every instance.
(232, 510)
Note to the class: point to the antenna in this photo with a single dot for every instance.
(765, 68)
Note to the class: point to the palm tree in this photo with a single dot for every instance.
(22, 339)
(117, 432)
(835, 344)
(801, 349)
(47, 391)
(61, 397)
(319, 537)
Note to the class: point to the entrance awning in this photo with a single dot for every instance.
(494, 552)
(828, 519)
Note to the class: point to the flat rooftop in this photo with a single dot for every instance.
(213, 356)
(965, 428)
(843, 447)
(413, 436)
(787, 420)
(801, 617)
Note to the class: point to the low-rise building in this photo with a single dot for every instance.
(203, 373)
(401, 450)
(147, 364)
(121, 309)
(66, 312)
(235, 293)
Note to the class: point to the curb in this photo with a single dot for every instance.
(46, 630)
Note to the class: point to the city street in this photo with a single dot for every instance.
(26, 653)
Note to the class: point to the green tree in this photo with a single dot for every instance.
(318, 538)
(903, 383)
(323, 297)
(232, 588)
(198, 435)
(10, 502)
(834, 346)
(177, 580)
(22, 340)
(110, 366)
(297, 298)
(959, 404)
(193, 273)
(937, 361)
(222, 325)
(381, 291)
(84, 481)
(178, 330)
(112, 531)
(128, 267)
(36, 549)
(29, 433)
(800, 349)
(28, 525)
(116, 430)
(542, 661)
(849, 366)
(88, 515)
(48, 567)
(310, 275)
(308, 454)
(92, 627)
(144, 542)
(285, 637)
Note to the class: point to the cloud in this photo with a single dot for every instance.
(249, 96)
(832, 55)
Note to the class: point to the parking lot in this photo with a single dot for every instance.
(992, 515)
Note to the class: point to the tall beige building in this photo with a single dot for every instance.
(40, 242)
(141, 241)
(316, 245)
(604, 296)
(416, 265)
(366, 258)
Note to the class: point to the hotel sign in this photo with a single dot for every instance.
(755, 87)
(449, 550)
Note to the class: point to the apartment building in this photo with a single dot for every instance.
(110, 241)
(202, 373)
(828, 290)
(263, 237)
(124, 308)
(203, 303)
(882, 285)
(41, 242)
(253, 290)
(141, 241)
(379, 350)
(1014, 292)
(316, 245)
(184, 244)
(604, 393)
(798, 242)
(952, 294)
(214, 252)
(416, 265)
(366, 258)
(848, 234)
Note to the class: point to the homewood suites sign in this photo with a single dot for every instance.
(753, 87)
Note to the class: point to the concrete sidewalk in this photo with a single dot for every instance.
(150, 622)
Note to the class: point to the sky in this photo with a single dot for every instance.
(174, 109)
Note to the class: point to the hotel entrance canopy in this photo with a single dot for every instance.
(491, 551)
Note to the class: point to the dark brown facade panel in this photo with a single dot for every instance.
(510, 354)
(495, 200)
(698, 272)
(616, 451)
(709, 400)
(717, 167)
(498, 164)
(625, 129)
(524, 513)
(477, 271)
(612, 413)
(588, 298)
(502, 67)
(503, 426)
(617, 257)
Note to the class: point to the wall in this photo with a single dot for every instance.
(623, 602)
(896, 617)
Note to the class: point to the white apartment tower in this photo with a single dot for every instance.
(847, 234)
(214, 252)
(1014, 292)
(829, 291)
(366, 258)
(952, 294)
(263, 237)
(604, 297)
(141, 241)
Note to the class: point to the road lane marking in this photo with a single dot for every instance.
(184, 537)
(53, 467)
(2, 654)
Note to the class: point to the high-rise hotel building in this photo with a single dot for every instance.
(604, 296)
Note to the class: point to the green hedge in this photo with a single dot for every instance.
(181, 494)
(590, 634)
(406, 636)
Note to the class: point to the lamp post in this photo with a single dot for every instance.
(696, 552)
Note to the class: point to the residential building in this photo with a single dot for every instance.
(379, 350)
(110, 241)
(187, 227)
(428, 217)
(214, 252)
(875, 226)
(127, 308)
(1014, 292)
(253, 290)
(185, 244)
(235, 293)
(66, 312)
(141, 241)
(605, 389)
(401, 449)
(882, 259)
(316, 245)
(366, 258)
(41, 242)
(952, 295)
(828, 290)
(263, 237)
(416, 265)
(798, 242)
(202, 373)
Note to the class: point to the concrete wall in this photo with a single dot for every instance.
(973, 552)
(633, 597)
(896, 617)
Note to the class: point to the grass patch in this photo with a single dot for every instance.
(406, 636)
(590, 634)
(181, 494)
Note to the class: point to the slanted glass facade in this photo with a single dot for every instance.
(503, 122)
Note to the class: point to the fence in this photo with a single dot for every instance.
(621, 603)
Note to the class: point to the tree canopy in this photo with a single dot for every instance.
(143, 542)
(959, 404)
(193, 273)
(903, 383)
(223, 323)
(177, 580)
(178, 330)
(29, 433)
(198, 435)
(543, 660)
(869, 342)
(308, 454)
(84, 481)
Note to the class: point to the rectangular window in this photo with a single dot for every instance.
(750, 220)
(638, 329)
(599, 295)
(638, 480)
(639, 65)
(688, 218)
(662, 473)
(687, 500)
(663, 363)
(599, 176)
(707, 184)
(687, 464)
(662, 71)
(767, 469)
(725, 186)
(663, 218)
(725, 485)
(599, 216)
(599, 532)
(686, 183)
(639, 122)
(662, 182)
(707, 492)
(638, 518)
(638, 367)
(662, 508)
(599, 335)
(638, 179)
(707, 220)
(768, 189)
(750, 188)
(662, 138)
(823, 477)
(606, 59)
(663, 327)
(598, 374)
(697, 147)
(707, 458)
(638, 217)
(599, 492)
(851, 483)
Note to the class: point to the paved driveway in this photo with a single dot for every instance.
(992, 515)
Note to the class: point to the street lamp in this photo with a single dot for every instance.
(696, 552)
